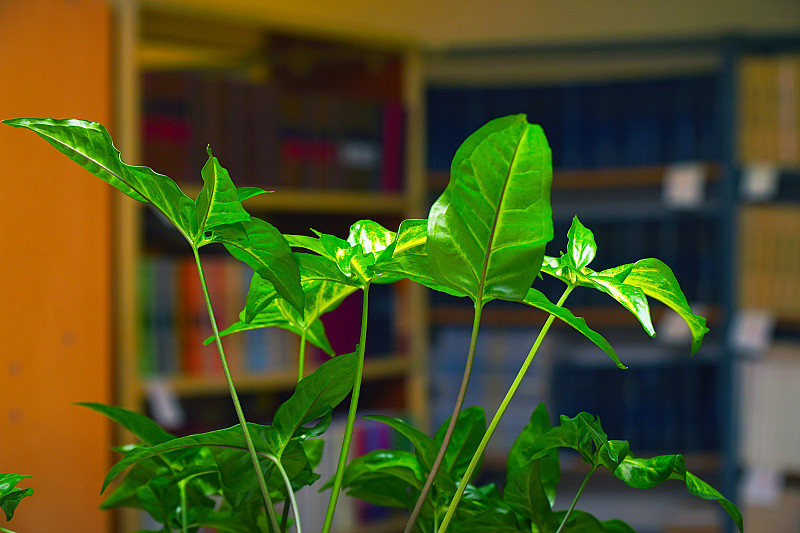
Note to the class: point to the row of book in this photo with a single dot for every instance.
(664, 402)
(175, 321)
(270, 137)
(589, 125)
(769, 259)
(769, 109)
(499, 353)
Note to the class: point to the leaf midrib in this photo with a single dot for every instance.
(493, 231)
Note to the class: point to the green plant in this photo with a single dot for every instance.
(10, 495)
(484, 239)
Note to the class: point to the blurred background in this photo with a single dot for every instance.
(675, 132)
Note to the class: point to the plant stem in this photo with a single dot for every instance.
(301, 358)
(235, 397)
(499, 414)
(473, 341)
(575, 499)
(184, 518)
(289, 491)
(351, 416)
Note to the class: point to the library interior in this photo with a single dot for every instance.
(674, 134)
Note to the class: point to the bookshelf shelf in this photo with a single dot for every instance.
(322, 201)
(375, 368)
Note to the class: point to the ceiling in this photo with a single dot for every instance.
(442, 24)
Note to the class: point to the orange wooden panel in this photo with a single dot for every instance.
(55, 287)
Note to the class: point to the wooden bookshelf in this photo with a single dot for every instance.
(161, 43)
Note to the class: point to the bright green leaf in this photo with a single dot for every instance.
(488, 229)
(582, 247)
(218, 203)
(265, 250)
(90, 145)
(657, 281)
(647, 473)
(141, 426)
(316, 395)
(538, 300)
(10, 496)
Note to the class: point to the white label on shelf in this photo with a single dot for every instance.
(762, 487)
(684, 186)
(164, 404)
(672, 329)
(752, 331)
(759, 182)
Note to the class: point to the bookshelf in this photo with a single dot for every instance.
(624, 120)
(332, 125)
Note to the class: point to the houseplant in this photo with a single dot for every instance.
(484, 239)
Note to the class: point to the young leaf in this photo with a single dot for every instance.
(538, 300)
(243, 193)
(316, 395)
(141, 426)
(218, 203)
(373, 238)
(488, 229)
(582, 247)
(265, 250)
(647, 473)
(657, 281)
(90, 145)
(10, 496)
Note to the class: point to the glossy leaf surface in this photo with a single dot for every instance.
(647, 473)
(488, 229)
(10, 496)
(218, 203)
(538, 300)
(657, 281)
(90, 145)
(316, 395)
(138, 424)
(263, 248)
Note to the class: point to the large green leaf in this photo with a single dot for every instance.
(90, 145)
(488, 229)
(10, 496)
(657, 281)
(263, 248)
(647, 473)
(140, 425)
(218, 203)
(316, 395)
(538, 300)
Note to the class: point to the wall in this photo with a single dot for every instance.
(54, 266)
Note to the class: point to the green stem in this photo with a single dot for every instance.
(184, 517)
(473, 341)
(499, 414)
(235, 397)
(351, 417)
(301, 359)
(289, 491)
(575, 499)
(285, 516)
